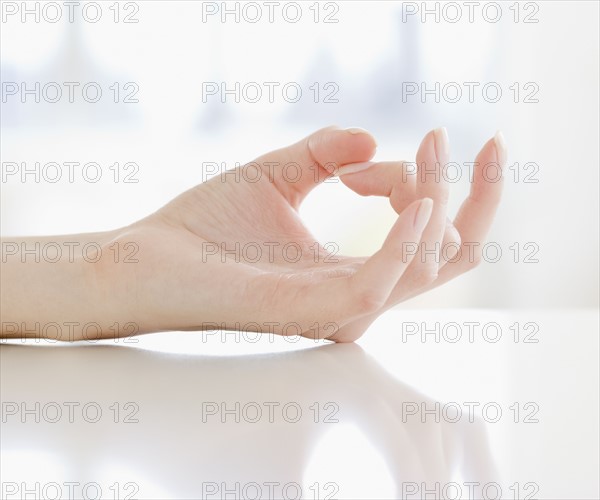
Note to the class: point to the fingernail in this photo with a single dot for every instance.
(423, 214)
(352, 168)
(442, 144)
(356, 130)
(501, 151)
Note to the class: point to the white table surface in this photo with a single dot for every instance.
(158, 435)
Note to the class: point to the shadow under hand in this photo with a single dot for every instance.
(200, 424)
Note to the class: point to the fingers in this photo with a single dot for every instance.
(378, 276)
(391, 179)
(397, 181)
(432, 157)
(476, 214)
(368, 289)
(450, 243)
(431, 183)
(473, 223)
(298, 168)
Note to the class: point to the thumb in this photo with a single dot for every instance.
(298, 168)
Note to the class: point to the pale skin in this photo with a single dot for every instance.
(178, 278)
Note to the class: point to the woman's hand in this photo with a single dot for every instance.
(232, 253)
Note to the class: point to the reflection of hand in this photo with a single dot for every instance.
(229, 419)
(233, 251)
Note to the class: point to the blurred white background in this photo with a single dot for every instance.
(365, 58)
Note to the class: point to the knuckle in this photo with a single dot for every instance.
(425, 276)
(368, 301)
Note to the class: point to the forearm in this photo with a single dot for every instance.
(51, 287)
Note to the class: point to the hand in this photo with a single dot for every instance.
(233, 253)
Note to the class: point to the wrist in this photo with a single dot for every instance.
(112, 282)
(52, 287)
